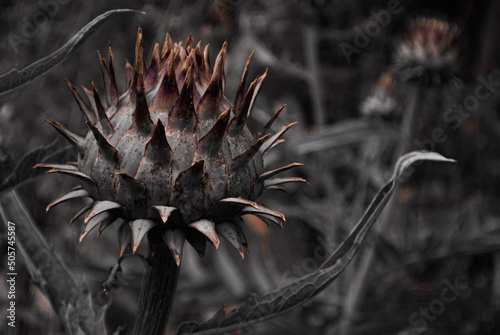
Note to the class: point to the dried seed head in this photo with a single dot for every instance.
(429, 53)
(171, 152)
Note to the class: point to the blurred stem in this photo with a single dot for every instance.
(360, 282)
(490, 49)
(406, 138)
(408, 125)
(158, 289)
(314, 83)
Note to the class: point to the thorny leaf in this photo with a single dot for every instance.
(23, 170)
(270, 305)
(15, 78)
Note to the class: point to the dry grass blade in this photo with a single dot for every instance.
(15, 78)
(270, 305)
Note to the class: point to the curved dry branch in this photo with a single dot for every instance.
(15, 78)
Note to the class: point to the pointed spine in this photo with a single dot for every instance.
(211, 143)
(272, 173)
(229, 233)
(142, 119)
(157, 149)
(168, 92)
(90, 96)
(139, 68)
(151, 77)
(113, 86)
(139, 229)
(237, 223)
(241, 88)
(107, 128)
(243, 159)
(240, 201)
(129, 78)
(66, 169)
(266, 218)
(197, 240)
(165, 212)
(270, 122)
(278, 181)
(207, 228)
(276, 187)
(92, 223)
(272, 140)
(256, 92)
(183, 116)
(87, 113)
(62, 167)
(218, 74)
(105, 148)
(81, 212)
(77, 141)
(189, 184)
(185, 67)
(127, 185)
(101, 207)
(206, 62)
(105, 77)
(155, 167)
(124, 237)
(76, 192)
(245, 108)
(175, 238)
(198, 55)
(155, 57)
(208, 107)
(167, 47)
(189, 41)
(265, 211)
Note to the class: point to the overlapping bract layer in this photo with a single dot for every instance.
(171, 153)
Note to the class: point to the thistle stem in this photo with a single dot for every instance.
(157, 291)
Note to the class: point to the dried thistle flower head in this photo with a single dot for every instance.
(381, 101)
(171, 153)
(429, 52)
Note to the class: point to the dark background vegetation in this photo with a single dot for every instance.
(441, 227)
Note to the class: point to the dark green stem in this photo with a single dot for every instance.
(157, 291)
